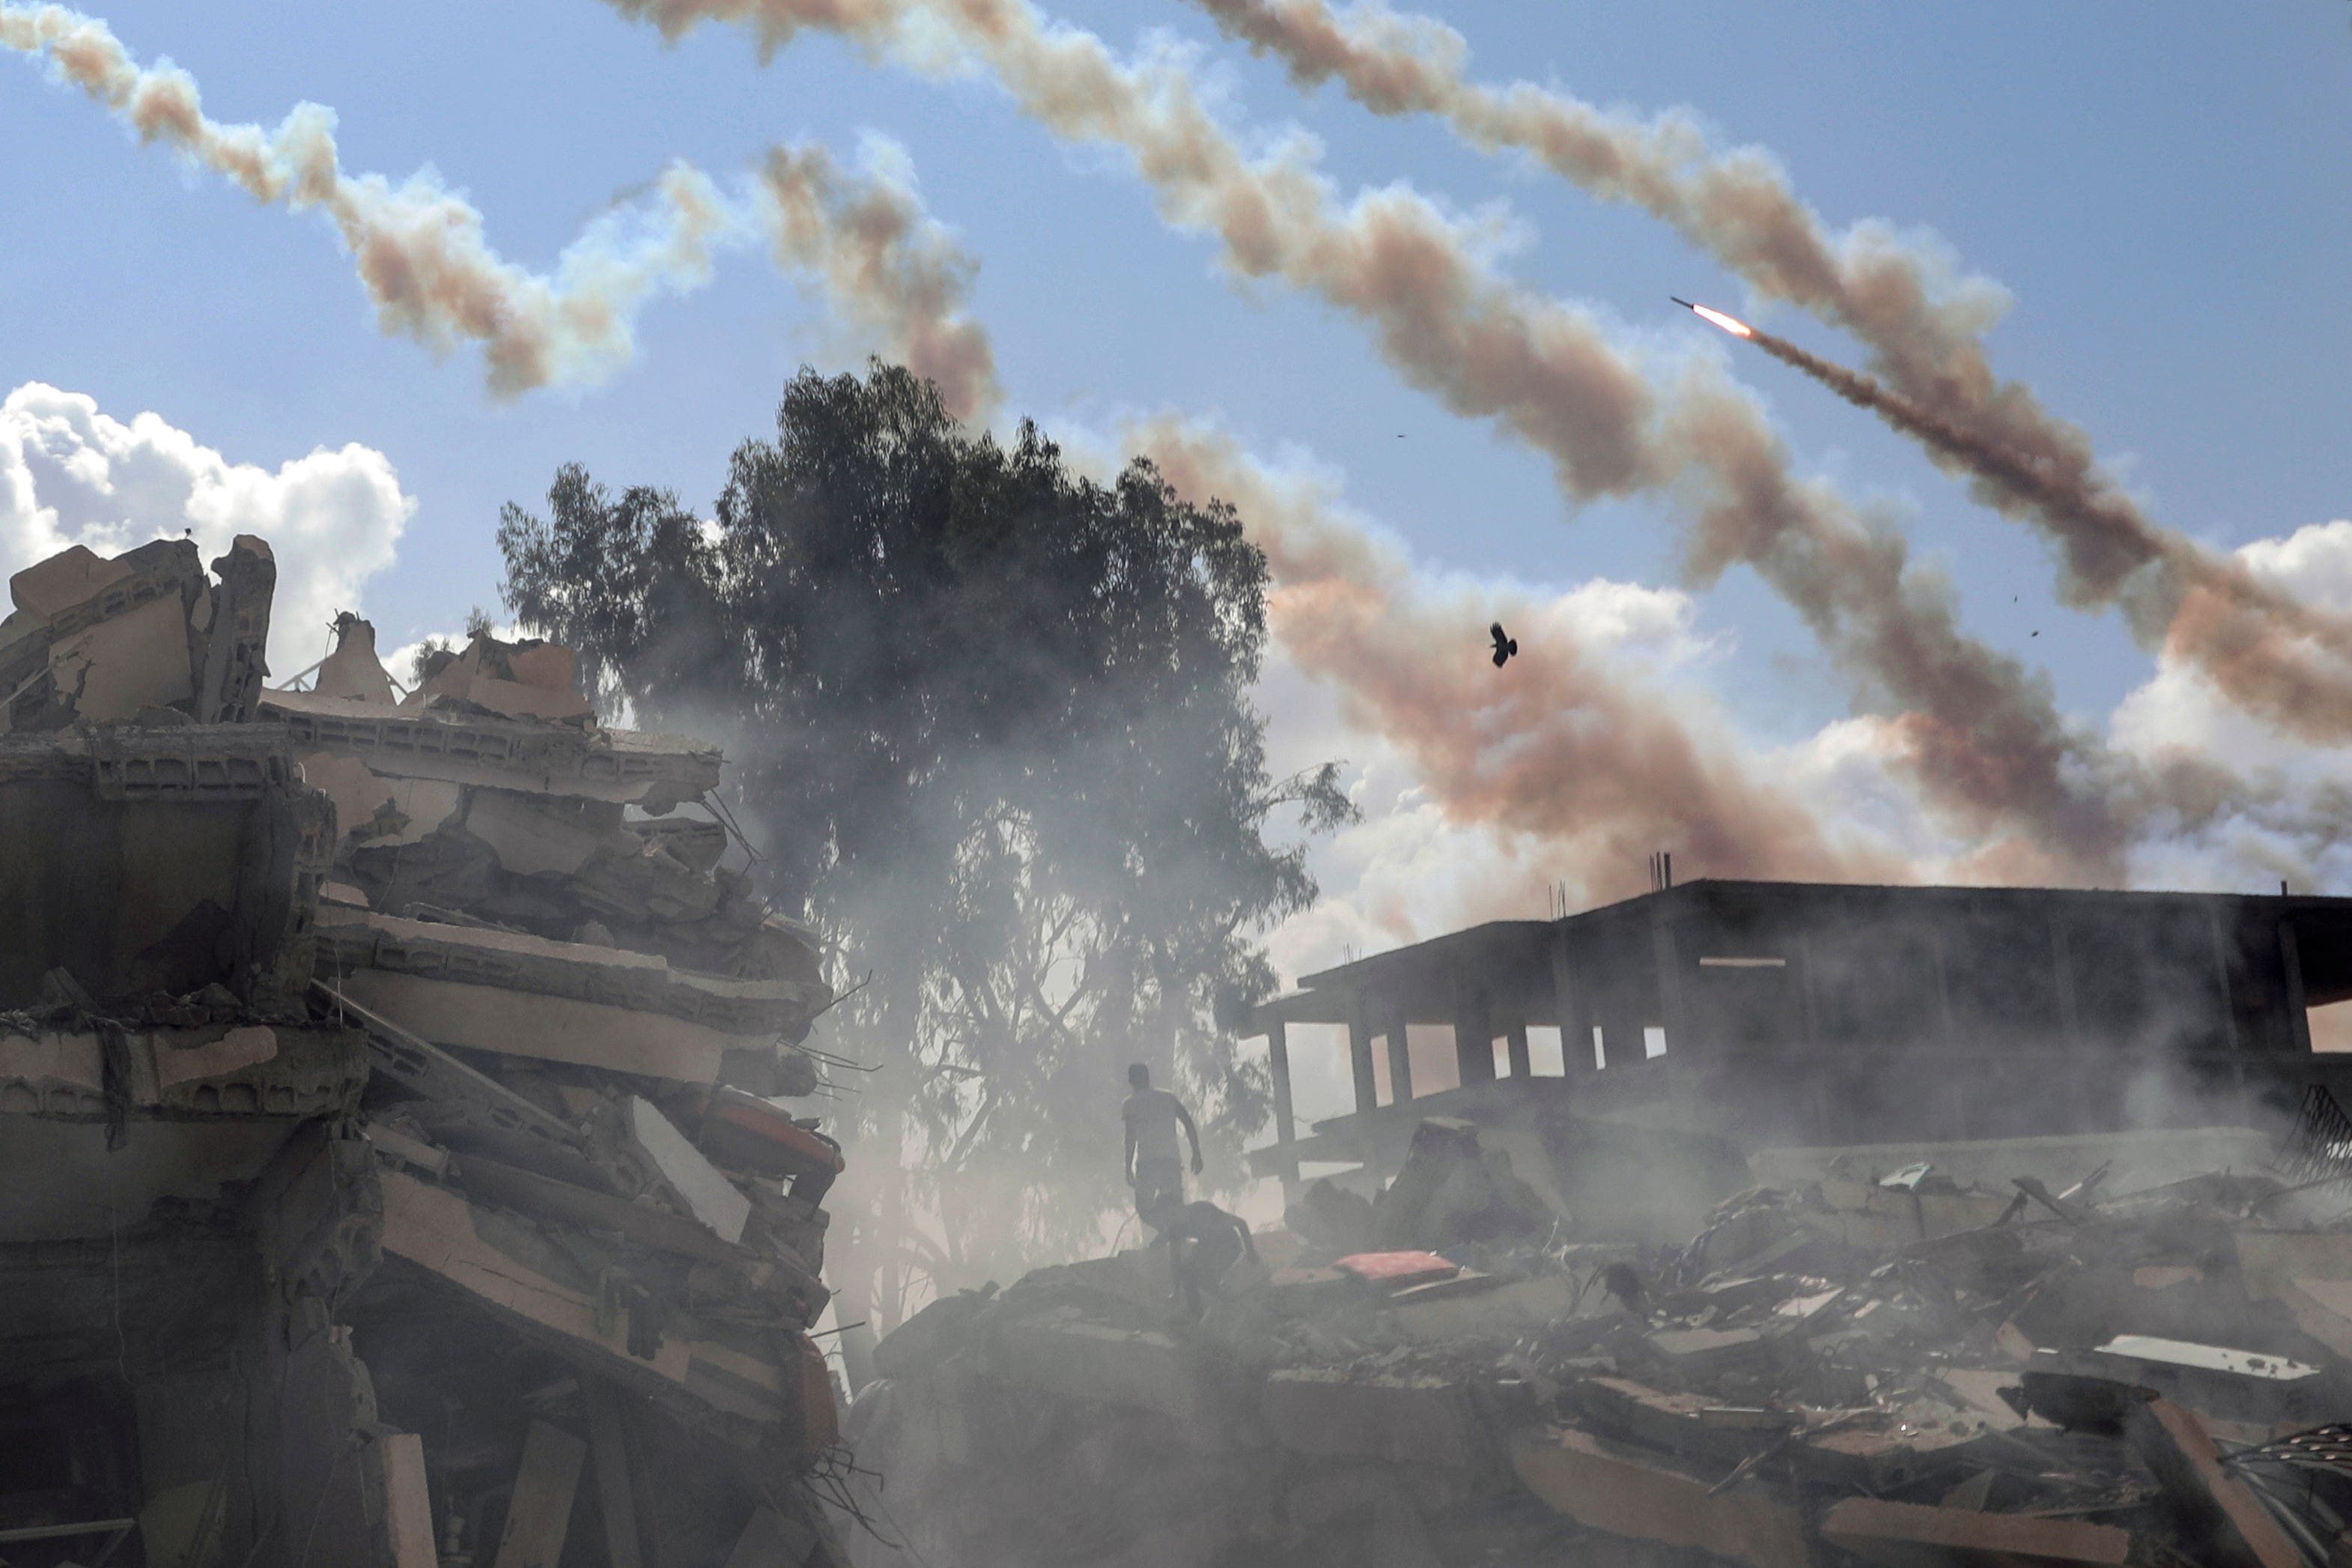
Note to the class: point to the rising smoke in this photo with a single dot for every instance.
(2279, 658)
(420, 250)
(1548, 373)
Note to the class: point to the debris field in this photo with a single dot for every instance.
(1876, 1366)
(393, 1165)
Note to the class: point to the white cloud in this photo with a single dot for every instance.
(2179, 709)
(2289, 829)
(72, 474)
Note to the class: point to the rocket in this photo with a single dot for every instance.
(1732, 324)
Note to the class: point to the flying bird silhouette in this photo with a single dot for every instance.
(1505, 646)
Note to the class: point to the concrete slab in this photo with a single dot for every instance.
(1404, 1420)
(1606, 1489)
(1905, 1535)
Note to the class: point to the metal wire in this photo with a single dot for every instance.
(2318, 1152)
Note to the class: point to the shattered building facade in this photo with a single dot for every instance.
(391, 1165)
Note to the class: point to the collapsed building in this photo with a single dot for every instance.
(393, 1165)
(1873, 1366)
(1923, 1228)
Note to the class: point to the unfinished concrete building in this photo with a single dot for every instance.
(1761, 1016)
(392, 1169)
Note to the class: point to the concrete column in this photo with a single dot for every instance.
(1946, 1031)
(2231, 1039)
(1575, 1034)
(1399, 1059)
(1359, 1060)
(1285, 1125)
(2062, 966)
(1666, 952)
(1805, 989)
(2222, 982)
(1473, 1036)
(2298, 1017)
(1516, 1043)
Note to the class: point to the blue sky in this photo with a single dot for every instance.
(2163, 186)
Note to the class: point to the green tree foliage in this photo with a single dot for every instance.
(991, 728)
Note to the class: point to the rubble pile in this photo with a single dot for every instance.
(1878, 1367)
(394, 1171)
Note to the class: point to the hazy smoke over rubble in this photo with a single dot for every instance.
(429, 270)
(2275, 656)
(1990, 745)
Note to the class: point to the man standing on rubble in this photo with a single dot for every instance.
(1154, 1166)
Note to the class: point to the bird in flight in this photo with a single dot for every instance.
(1505, 646)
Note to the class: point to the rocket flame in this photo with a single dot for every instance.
(1732, 324)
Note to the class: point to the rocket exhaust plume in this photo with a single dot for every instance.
(433, 277)
(1993, 749)
(1737, 328)
(2284, 660)
(2287, 661)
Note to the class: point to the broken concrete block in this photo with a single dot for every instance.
(2268, 1259)
(525, 996)
(390, 1141)
(1906, 1535)
(1400, 1417)
(230, 680)
(352, 670)
(696, 1377)
(112, 670)
(681, 1168)
(1519, 1307)
(532, 680)
(1061, 1353)
(380, 810)
(1332, 1217)
(408, 1508)
(539, 1514)
(530, 839)
(2323, 1309)
(1699, 1355)
(655, 772)
(1678, 1424)
(1607, 1489)
(72, 576)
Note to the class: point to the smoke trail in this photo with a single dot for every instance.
(1560, 750)
(433, 278)
(884, 263)
(1991, 747)
(1925, 326)
(2270, 653)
